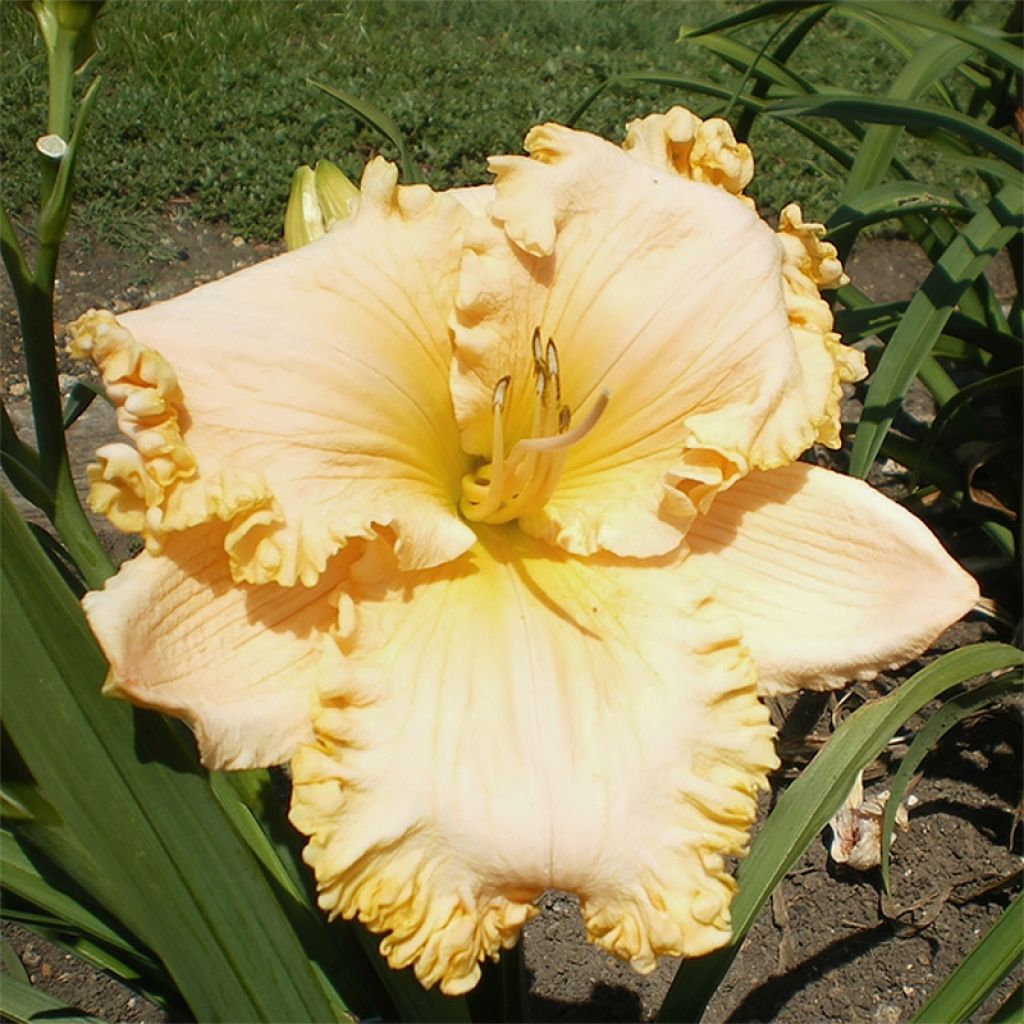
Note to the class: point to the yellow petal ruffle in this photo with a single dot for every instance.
(680, 142)
(152, 487)
(521, 720)
(321, 377)
(809, 264)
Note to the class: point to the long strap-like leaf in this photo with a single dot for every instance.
(985, 966)
(805, 808)
(153, 845)
(966, 259)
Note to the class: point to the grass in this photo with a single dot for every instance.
(209, 101)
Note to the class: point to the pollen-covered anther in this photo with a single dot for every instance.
(520, 482)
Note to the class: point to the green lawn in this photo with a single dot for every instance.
(209, 100)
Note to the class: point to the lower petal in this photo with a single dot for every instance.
(517, 721)
(831, 580)
(241, 664)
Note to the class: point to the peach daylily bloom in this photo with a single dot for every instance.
(483, 511)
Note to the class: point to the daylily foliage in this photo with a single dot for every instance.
(483, 510)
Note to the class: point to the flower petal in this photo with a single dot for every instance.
(521, 720)
(831, 580)
(322, 374)
(666, 292)
(707, 151)
(241, 664)
(681, 142)
(809, 264)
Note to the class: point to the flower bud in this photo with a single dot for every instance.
(318, 200)
(71, 22)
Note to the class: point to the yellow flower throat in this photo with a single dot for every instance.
(520, 481)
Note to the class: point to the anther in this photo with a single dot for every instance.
(564, 419)
(500, 393)
(552, 365)
(538, 350)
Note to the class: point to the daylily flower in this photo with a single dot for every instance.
(483, 511)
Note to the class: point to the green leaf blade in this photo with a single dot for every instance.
(173, 872)
(991, 960)
(806, 807)
(963, 262)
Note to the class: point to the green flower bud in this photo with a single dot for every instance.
(317, 201)
(74, 20)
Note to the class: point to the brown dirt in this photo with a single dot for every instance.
(829, 947)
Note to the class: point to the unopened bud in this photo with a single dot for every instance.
(74, 20)
(318, 200)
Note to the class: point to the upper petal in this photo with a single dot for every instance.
(831, 580)
(241, 664)
(322, 374)
(664, 291)
(679, 141)
(513, 722)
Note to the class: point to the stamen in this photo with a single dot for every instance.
(552, 365)
(500, 391)
(521, 481)
(538, 350)
(566, 440)
(498, 441)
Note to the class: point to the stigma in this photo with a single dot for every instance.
(520, 481)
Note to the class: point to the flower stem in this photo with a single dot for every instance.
(33, 292)
(62, 74)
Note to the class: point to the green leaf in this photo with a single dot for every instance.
(780, 55)
(806, 807)
(22, 465)
(23, 1004)
(13, 257)
(133, 820)
(11, 963)
(743, 57)
(962, 336)
(984, 165)
(149, 981)
(21, 877)
(960, 401)
(998, 49)
(991, 960)
(378, 119)
(53, 217)
(347, 951)
(938, 56)
(894, 199)
(904, 40)
(953, 711)
(986, 234)
(750, 16)
(82, 395)
(906, 113)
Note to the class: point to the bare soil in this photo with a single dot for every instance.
(830, 946)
